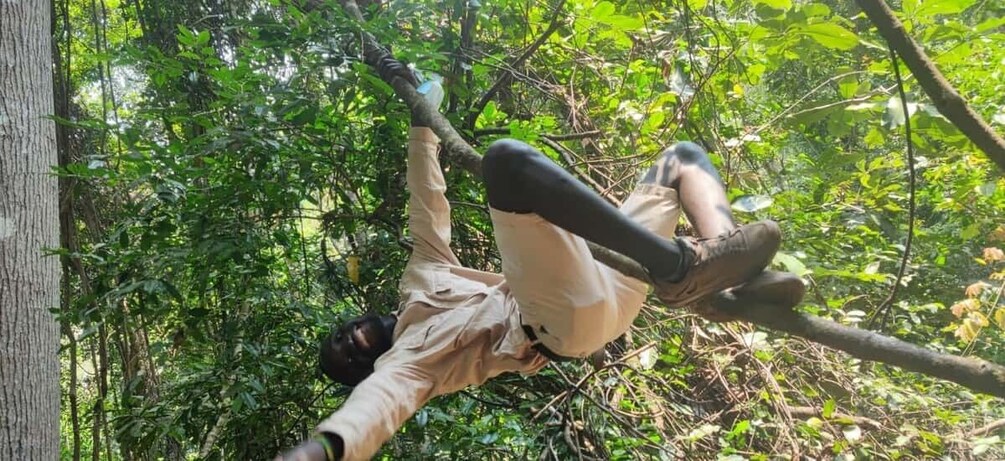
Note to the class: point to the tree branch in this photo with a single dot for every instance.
(976, 374)
(945, 97)
(477, 109)
(985, 430)
(886, 307)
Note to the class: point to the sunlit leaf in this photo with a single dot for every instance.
(1000, 317)
(829, 407)
(752, 203)
(790, 263)
(930, 8)
(852, 433)
(831, 35)
(775, 4)
(703, 431)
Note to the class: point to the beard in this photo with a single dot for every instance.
(377, 334)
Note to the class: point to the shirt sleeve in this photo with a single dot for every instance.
(428, 209)
(377, 407)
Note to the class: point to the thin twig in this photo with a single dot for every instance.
(886, 307)
(476, 110)
(571, 162)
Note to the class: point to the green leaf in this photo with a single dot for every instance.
(970, 231)
(775, 4)
(929, 8)
(790, 263)
(847, 87)
(831, 35)
(829, 407)
(602, 11)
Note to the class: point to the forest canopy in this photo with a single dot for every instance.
(232, 184)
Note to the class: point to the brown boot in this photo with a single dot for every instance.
(780, 289)
(720, 263)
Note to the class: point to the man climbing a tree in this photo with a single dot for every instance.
(458, 326)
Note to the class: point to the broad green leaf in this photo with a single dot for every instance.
(624, 22)
(602, 11)
(816, 10)
(831, 35)
(790, 263)
(874, 138)
(741, 427)
(929, 8)
(990, 24)
(848, 86)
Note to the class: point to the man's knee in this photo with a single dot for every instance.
(505, 158)
(676, 161)
(503, 167)
(688, 153)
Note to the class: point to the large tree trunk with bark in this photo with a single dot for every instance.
(29, 224)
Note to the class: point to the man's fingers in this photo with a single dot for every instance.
(388, 67)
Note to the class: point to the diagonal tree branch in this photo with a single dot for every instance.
(945, 97)
(977, 374)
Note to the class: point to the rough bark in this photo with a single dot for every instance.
(979, 375)
(944, 96)
(29, 224)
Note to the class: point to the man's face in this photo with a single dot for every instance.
(348, 354)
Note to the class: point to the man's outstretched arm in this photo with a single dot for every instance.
(374, 411)
(428, 209)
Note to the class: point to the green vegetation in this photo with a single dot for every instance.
(233, 183)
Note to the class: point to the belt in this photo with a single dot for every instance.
(544, 349)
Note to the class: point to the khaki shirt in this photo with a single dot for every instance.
(456, 326)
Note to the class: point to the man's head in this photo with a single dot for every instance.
(348, 353)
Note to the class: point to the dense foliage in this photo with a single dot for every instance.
(233, 183)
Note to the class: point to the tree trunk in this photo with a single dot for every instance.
(29, 224)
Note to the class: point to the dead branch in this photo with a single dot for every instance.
(985, 430)
(945, 97)
(804, 412)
